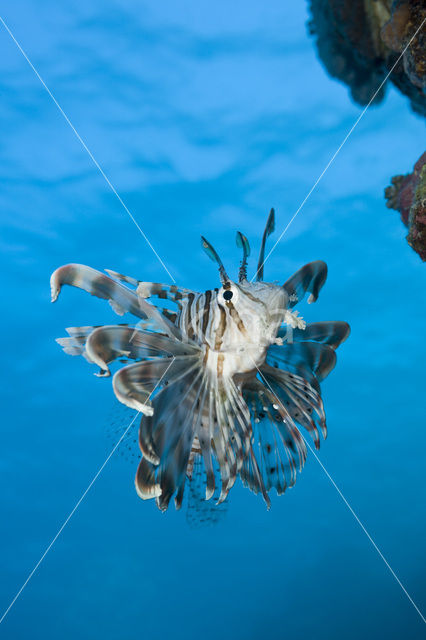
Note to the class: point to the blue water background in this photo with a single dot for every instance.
(203, 115)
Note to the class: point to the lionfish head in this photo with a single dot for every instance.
(255, 298)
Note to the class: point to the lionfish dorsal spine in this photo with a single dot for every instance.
(269, 228)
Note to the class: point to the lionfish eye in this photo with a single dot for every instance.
(227, 294)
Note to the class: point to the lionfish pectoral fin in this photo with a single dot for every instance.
(331, 333)
(223, 495)
(134, 384)
(110, 342)
(166, 437)
(279, 448)
(309, 278)
(210, 486)
(295, 393)
(201, 453)
(146, 486)
(74, 345)
(97, 284)
(170, 292)
(192, 408)
(172, 469)
(305, 359)
(71, 346)
(121, 278)
(118, 308)
(251, 477)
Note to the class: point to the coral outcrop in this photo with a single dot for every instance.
(407, 194)
(359, 42)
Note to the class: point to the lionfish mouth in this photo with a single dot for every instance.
(243, 244)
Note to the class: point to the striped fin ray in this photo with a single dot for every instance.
(278, 450)
(204, 429)
(221, 436)
(232, 445)
(170, 315)
(276, 467)
(170, 433)
(309, 278)
(251, 477)
(197, 409)
(215, 417)
(174, 461)
(72, 346)
(310, 360)
(251, 473)
(167, 406)
(203, 440)
(153, 289)
(133, 384)
(97, 284)
(234, 433)
(331, 333)
(240, 424)
(107, 343)
(218, 443)
(300, 400)
(75, 344)
(146, 484)
(121, 298)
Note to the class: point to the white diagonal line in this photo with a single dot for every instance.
(78, 503)
(365, 530)
(349, 506)
(90, 154)
(340, 146)
(68, 518)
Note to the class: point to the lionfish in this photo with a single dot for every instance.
(224, 379)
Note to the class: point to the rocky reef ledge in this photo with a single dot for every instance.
(407, 194)
(359, 42)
